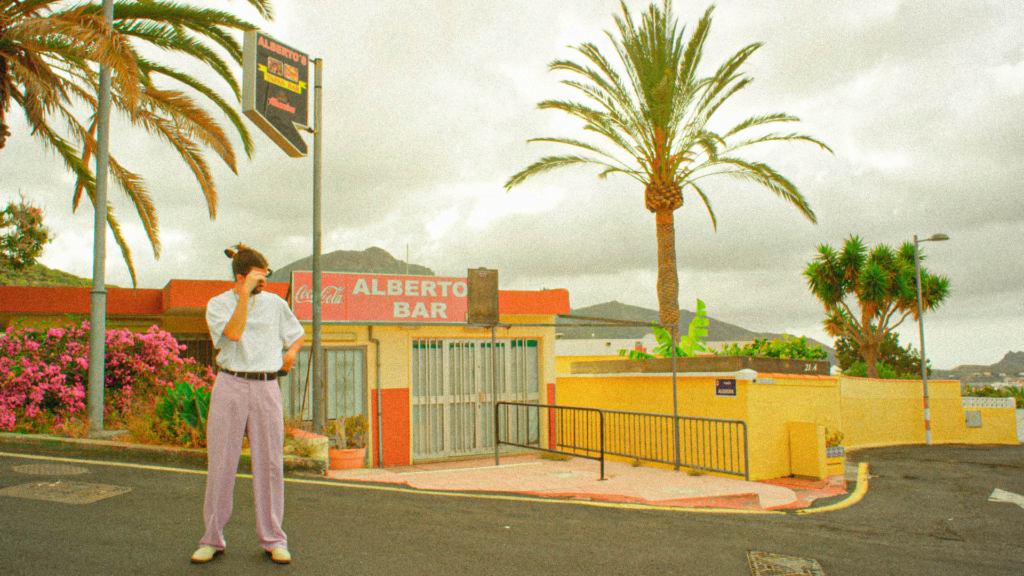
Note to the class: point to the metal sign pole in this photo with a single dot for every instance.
(98, 294)
(675, 398)
(319, 396)
(920, 327)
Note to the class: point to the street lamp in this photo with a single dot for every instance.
(920, 327)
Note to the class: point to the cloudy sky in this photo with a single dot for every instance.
(428, 106)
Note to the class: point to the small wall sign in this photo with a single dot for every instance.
(725, 387)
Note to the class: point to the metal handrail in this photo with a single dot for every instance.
(570, 409)
(712, 444)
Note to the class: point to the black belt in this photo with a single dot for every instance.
(254, 375)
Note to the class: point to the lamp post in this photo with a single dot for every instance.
(920, 327)
(98, 294)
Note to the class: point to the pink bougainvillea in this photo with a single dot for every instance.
(44, 374)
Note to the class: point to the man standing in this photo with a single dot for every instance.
(250, 328)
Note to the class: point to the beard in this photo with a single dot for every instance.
(259, 288)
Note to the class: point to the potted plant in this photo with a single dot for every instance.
(347, 442)
(835, 454)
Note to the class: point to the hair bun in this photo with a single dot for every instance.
(230, 253)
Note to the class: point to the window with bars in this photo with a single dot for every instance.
(344, 372)
(454, 387)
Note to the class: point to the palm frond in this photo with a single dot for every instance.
(707, 204)
(174, 39)
(760, 120)
(148, 67)
(126, 251)
(549, 163)
(766, 176)
(776, 137)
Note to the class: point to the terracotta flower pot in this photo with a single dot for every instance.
(346, 458)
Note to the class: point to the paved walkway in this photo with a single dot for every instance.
(579, 479)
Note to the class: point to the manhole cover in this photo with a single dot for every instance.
(50, 469)
(65, 492)
(767, 564)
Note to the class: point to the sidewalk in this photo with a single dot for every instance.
(579, 479)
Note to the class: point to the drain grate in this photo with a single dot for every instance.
(65, 492)
(50, 469)
(767, 564)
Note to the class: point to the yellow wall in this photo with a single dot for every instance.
(885, 412)
(881, 412)
(792, 398)
(998, 426)
(869, 412)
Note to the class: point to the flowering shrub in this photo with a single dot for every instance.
(44, 376)
(22, 235)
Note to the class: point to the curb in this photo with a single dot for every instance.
(193, 458)
(858, 493)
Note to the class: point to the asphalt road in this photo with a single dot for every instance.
(926, 512)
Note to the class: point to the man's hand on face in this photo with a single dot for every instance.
(255, 281)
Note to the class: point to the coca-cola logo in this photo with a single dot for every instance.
(328, 295)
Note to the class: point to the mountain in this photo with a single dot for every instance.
(372, 260)
(1012, 364)
(718, 331)
(39, 275)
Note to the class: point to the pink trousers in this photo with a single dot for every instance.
(252, 408)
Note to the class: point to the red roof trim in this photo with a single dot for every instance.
(192, 295)
(533, 301)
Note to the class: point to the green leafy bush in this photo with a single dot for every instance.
(786, 347)
(184, 411)
(885, 372)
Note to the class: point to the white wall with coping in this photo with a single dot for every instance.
(972, 402)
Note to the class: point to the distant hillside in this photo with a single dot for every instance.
(372, 260)
(1012, 364)
(39, 275)
(718, 331)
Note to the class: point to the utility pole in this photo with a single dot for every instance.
(319, 391)
(98, 294)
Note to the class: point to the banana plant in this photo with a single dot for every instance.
(689, 345)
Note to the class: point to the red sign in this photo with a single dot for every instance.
(380, 298)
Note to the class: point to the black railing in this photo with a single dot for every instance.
(711, 444)
(584, 440)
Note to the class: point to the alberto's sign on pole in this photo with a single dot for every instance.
(275, 90)
(382, 298)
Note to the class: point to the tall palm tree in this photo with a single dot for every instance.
(655, 111)
(49, 57)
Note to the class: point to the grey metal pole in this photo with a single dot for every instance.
(319, 397)
(675, 396)
(920, 327)
(98, 294)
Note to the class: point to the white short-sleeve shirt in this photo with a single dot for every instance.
(270, 328)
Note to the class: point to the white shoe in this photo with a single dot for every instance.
(280, 555)
(204, 554)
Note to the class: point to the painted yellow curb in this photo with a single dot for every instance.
(618, 505)
(858, 493)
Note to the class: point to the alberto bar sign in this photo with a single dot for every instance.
(381, 298)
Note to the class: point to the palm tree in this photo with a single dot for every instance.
(49, 55)
(656, 114)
